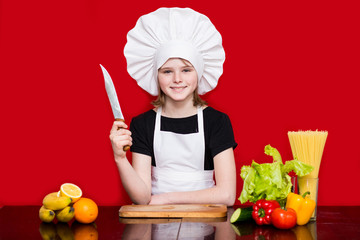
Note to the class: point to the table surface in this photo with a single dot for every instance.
(22, 222)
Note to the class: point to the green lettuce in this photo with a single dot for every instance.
(270, 181)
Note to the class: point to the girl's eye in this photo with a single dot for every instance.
(167, 71)
(187, 70)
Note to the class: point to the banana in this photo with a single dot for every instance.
(64, 231)
(48, 231)
(66, 214)
(46, 215)
(54, 202)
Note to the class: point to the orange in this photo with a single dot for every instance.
(84, 231)
(86, 210)
(70, 190)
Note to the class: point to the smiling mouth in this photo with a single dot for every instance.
(178, 88)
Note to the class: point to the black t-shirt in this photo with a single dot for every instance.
(218, 132)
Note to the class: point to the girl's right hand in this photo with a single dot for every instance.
(120, 137)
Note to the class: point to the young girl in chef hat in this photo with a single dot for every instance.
(182, 144)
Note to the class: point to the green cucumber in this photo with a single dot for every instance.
(241, 214)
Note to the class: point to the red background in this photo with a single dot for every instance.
(289, 65)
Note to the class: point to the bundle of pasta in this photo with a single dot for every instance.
(308, 147)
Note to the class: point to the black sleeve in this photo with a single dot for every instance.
(141, 134)
(221, 135)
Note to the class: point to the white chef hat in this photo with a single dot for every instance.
(174, 33)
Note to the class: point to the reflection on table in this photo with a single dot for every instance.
(158, 229)
(22, 222)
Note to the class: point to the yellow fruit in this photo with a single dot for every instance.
(53, 202)
(86, 210)
(65, 214)
(46, 215)
(70, 190)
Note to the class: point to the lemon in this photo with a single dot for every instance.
(71, 190)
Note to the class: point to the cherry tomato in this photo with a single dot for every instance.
(283, 219)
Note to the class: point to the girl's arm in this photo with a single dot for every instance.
(136, 178)
(224, 192)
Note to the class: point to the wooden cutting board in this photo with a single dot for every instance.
(174, 211)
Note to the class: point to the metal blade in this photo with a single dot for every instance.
(111, 92)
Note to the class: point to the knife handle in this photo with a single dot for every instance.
(127, 147)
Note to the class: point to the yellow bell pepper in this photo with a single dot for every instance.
(303, 206)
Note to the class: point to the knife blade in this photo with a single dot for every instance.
(114, 102)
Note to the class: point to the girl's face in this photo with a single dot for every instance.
(177, 79)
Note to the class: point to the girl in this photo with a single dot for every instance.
(180, 145)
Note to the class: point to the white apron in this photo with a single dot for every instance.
(180, 160)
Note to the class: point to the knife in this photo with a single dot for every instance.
(114, 102)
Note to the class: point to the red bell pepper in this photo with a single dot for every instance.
(262, 210)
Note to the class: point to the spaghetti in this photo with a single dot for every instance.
(308, 147)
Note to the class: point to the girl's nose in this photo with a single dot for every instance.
(177, 77)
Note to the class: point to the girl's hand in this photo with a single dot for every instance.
(120, 137)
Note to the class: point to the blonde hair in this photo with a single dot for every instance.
(160, 100)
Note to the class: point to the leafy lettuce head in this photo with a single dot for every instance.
(270, 180)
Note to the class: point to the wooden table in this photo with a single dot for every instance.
(22, 222)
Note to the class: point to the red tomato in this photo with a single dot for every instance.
(283, 219)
